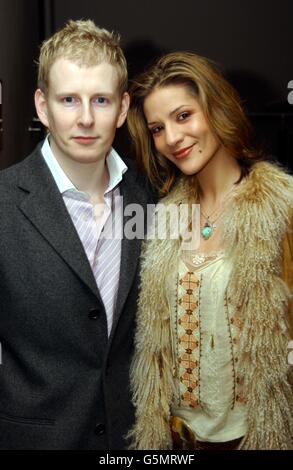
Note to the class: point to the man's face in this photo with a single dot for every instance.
(82, 109)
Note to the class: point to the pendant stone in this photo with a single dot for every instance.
(207, 231)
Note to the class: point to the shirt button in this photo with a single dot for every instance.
(93, 314)
(100, 429)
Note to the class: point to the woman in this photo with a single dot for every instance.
(210, 368)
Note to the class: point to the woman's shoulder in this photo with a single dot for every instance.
(271, 171)
(268, 181)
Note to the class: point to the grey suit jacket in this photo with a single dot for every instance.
(63, 383)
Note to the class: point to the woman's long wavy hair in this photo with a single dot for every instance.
(219, 102)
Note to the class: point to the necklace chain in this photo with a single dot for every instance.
(208, 216)
(209, 226)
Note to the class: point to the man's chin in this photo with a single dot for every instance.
(87, 159)
(86, 154)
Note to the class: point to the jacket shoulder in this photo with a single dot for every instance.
(11, 174)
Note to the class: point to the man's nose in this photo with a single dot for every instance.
(86, 117)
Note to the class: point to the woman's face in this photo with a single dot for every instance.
(179, 128)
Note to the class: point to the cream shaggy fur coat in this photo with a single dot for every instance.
(256, 223)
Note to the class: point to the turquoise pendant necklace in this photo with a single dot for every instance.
(209, 227)
(207, 230)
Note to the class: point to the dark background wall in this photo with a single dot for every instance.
(252, 40)
(18, 47)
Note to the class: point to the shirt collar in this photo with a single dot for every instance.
(115, 164)
(116, 168)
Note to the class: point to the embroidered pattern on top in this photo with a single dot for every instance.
(188, 339)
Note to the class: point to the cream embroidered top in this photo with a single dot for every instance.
(206, 337)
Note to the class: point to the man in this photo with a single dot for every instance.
(68, 287)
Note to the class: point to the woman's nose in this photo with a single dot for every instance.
(173, 135)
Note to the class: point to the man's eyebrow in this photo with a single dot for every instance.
(72, 93)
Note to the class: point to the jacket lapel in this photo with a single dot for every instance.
(43, 205)
(132, 192)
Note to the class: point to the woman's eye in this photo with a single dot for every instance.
(183, 116)
(155, 130)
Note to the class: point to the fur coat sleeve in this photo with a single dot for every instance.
(288, 268)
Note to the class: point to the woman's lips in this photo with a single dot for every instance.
(182, 153)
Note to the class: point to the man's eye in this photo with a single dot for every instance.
(69, 100)
(101, 100)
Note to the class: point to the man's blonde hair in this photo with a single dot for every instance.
(85, 44)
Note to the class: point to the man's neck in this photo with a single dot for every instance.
(90, 178)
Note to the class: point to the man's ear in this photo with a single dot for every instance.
(41, 107)
(125, 100)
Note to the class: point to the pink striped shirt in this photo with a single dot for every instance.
(103, 250)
